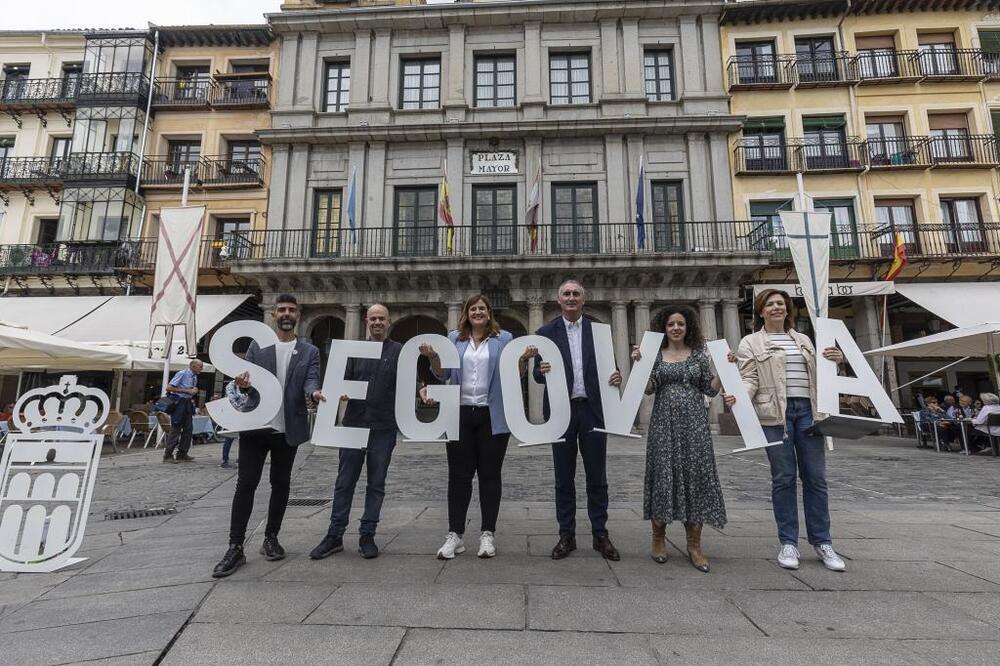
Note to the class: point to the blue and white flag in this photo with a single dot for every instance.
(640, 205)
(352, 205)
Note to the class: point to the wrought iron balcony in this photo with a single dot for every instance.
(950, 64)
(877, 242)
(677, 238)
(825, 70)
(26, 94)
(164, 171)
(28, 172)
(759, 158)
(117, 87)
(761, 72)
(847, 155)
(971, 151)
(181, 93)
(887, 66)
(241, 92)
(206, 171)
(109, 166)
(902, 152)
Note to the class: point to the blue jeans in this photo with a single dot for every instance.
(805, 454)
(377, 456)
(592, 447)
(227, 445)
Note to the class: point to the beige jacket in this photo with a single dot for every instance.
(762, 366)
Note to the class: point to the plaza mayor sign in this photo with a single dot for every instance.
(490, 163)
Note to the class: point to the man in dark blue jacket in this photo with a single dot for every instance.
(377, 412)
(296, 365)
(574, 337)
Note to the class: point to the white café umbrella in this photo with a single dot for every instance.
(24, 349)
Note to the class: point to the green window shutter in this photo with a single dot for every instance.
(768, 208)
(995, 117)
(823, 122)
(989, 41)
(764, 124)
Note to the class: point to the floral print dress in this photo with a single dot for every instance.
(682, 482)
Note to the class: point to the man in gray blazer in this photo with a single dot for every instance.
(296, 365)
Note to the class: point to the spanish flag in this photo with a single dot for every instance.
(444, 212)
(899, 259)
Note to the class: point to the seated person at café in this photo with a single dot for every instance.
(7, 412)
(948, 403)
(962, 410)
(934, 414)
(980, 436)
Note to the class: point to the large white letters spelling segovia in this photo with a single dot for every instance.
(620, 405)
(47, 475)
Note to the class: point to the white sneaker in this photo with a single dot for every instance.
(452, 546)
(831, 560)
(788, 557)
(486, 545)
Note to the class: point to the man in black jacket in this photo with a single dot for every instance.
(377, 413)
(295, 363)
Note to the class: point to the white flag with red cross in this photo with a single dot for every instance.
(175, 286)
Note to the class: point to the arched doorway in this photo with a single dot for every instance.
(508, 323)
(324, 331)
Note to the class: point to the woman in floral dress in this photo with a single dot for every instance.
(681, 479)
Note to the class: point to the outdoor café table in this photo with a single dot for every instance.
(202, 425)
(124, 427)
(961, 423)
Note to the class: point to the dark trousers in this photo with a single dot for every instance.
(377, 457)
(227, 445)
(477, 451)
(805, 455)
(593, 448)
(180, 429)
(254, 447)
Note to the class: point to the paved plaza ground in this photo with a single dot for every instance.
(921, 531)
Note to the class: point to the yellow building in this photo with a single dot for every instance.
(885, 110)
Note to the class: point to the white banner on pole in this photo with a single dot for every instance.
(732, 383)
(175, 284)
(808, 235)
(842, 289)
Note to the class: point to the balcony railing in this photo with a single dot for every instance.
(113, 87)
(101, 166)
(17, 172)
(878, 241)
(241, 93)
(951, 64)
(975, 150)
(181, 93)
(847, 155)
(887, 65)
(206, 171)
(898, 152)
(760, 158)
(680, 238)
(824, 70)
(756, 72)
(27, 93)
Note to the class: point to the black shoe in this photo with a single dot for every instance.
(233, 560)
(566, 545)
(169, 459)
(327, 547)
(603, 545)
(367, 547)
(272, 550)
(183, 457)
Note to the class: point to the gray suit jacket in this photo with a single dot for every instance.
(302, 380)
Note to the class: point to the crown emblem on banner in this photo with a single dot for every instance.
(66, 406)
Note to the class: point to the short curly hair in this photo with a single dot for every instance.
(692, 337)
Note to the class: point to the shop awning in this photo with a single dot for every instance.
(22, 348)
(962, 303)
(970, 341)
(106, 318)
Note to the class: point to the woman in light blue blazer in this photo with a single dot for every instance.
(483, 433)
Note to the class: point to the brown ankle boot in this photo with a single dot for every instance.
(658, 551)
(698, 559)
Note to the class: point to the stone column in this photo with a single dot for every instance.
(456, 65)
(295, 213)
(713, 55)
(634, 80)
(305, 76)
(619, 334)
(710, 330)
(352, 322)
(454, 312)
(455, 163)
(691, 54)
(380, 69)
(533, 101)
(373, 188)
(701, 177)
(731, 328)
(535, 390)
(867, 327)
(285, 80)
(361, 68)
(279, 191)
(609, 56)
(618, 207)
(641, 315)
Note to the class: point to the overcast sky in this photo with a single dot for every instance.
(39, 14)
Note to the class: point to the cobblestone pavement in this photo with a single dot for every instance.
(921, 531)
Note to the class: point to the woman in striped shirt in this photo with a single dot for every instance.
(778, 366)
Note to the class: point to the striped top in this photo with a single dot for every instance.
(796, 372)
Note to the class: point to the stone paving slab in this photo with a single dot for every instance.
(894, 576)
(116, 605)
(138, 659)
(283, 644)
(424, 605)
(951, 652)
(988, 570)
(760, 650)
(983, 606)
(903, 615)
(267, 602)
(585, 568)
(523, 648)
(93, 640)
(122, 581)
(349, 567)
(913, 549)
(726, 574)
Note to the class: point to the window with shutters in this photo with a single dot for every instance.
(825, 142)
(763, 144)
(815, 59)
(887, 141)
(877, 57)
(892, 216)
(768, 232)
(963, 225)
(989, 45)
(843, 229)
(949, 134)
(937, 54)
